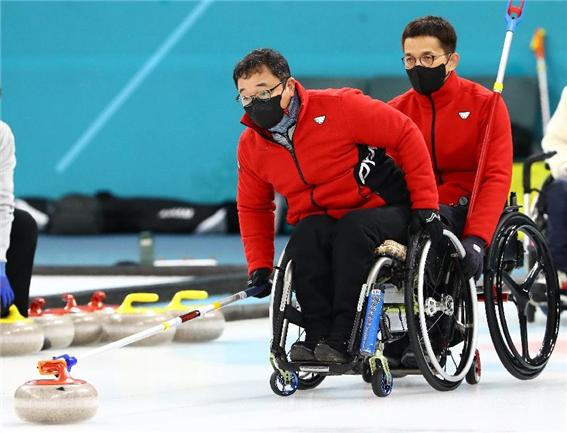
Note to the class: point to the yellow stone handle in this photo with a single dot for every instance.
(176, 302)
(126, 306)
(13, 316)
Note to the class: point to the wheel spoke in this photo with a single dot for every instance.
(516, 290)
(531, 277)
(524, 335)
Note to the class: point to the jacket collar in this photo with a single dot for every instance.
(448, 92)
(303, 101)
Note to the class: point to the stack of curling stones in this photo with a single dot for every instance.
(19, 335)
(204, 328)
(58, 329)
(60, 400)
(128, 319)
(87, 325)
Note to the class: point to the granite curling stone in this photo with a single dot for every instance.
(87, 327)
(128, 320)
(62, 400)
(58, 329)
(19, 335)
(204, 328)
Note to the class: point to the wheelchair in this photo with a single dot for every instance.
(410, 293)
(417, 294)
(536, 209)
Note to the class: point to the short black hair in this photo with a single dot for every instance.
(256, 59)
(437, 27)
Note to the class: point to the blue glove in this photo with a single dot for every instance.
(6, 292)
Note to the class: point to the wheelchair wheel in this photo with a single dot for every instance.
(518, 266)
(473, 375)
(279, 385)
(309, 380)
(441, 312)
(366, 373)
(380, 385)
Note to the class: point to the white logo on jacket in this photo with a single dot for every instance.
(366, 165)
(464, 114)
(319, 119)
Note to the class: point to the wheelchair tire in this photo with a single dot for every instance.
(278, 385)
(366, 373)
(508, 254)
(380, 385)
(446, 315)
(473, 375)
(310, 381)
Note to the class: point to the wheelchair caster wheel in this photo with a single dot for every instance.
(366, 373)
(279, 385)
(473, 375)
(380, 385)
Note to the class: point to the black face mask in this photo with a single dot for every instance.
(427, 80)
(266, 114)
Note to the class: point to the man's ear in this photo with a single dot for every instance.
(453, 61)
(290, 84)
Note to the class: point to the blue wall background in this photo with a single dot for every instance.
(174, 129)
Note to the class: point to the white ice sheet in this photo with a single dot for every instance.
(222, 386)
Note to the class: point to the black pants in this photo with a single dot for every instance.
(23, 240)
(331, 261)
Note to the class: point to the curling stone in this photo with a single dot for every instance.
(19, 335)
(128, 320)
(58, 329)
(205, 328)
(61, 400)
(87, 327)
(101, 310)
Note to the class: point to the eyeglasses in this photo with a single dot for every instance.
(425, 60)
(262, 95)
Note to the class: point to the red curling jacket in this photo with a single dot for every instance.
(348, 152)
(453, 121)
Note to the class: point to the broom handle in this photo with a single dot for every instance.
(164, 326)
(513, 17)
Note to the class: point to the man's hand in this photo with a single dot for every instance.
(6, 292)
(430, 221)
(261, 277)
(473, 261)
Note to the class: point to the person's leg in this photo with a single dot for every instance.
(357, 234)
(454, 217)
(20, 256)
(557, 222)
(309, 247)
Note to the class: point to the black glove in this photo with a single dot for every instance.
(261, 277)
(474, 259)
(430, 221)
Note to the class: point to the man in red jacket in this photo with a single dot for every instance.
(452, 114)
(354, 172)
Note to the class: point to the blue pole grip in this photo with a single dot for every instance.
(513, 15)
(254, 290)
(371, 325)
